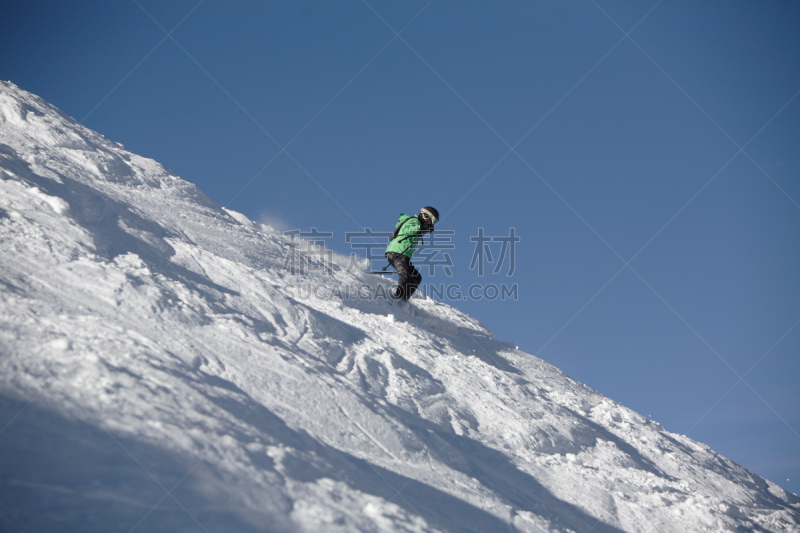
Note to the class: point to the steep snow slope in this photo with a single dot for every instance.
(162, 370)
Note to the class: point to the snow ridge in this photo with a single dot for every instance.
(162, 371)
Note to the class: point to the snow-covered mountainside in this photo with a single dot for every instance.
(162, 369)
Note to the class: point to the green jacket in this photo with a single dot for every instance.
(407, 237)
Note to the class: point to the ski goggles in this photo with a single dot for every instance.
(428, 217)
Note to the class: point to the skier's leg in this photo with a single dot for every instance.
(414, 279)
(396, 262)
(409, 277)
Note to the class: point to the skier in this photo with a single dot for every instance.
(408, 231)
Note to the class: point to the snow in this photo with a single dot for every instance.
(162, 370)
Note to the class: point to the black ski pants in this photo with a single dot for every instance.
(410, 278)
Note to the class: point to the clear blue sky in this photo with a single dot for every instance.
(646, 153)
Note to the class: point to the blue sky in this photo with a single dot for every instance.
(646, 154)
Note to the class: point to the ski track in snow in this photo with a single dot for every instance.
(162, 371)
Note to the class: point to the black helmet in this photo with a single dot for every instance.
(429, 214)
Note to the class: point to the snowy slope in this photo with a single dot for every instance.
(161, 370)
